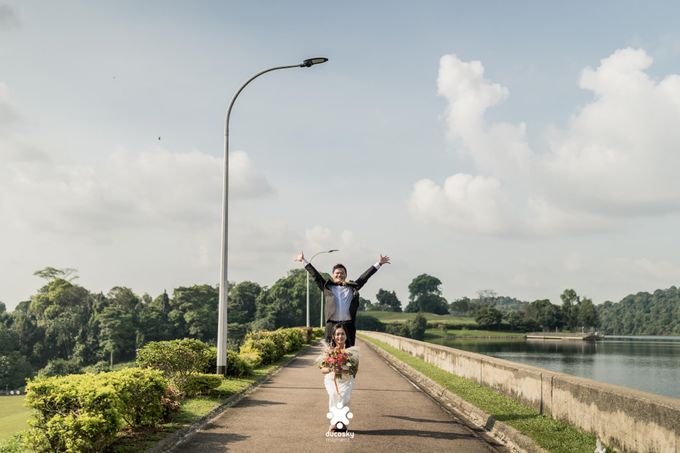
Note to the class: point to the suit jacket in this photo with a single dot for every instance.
(326, 285)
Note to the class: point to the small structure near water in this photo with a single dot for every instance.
(559, 336)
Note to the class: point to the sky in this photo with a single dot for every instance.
(521, 147)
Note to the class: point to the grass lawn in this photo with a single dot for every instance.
(435, 335)
(391, 316)
(553, 435)
(13, 415)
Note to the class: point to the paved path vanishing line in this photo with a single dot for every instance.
(288, 413)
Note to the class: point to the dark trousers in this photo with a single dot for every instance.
(350, 330)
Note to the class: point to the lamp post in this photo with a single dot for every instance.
(222, 307)
(310, 262)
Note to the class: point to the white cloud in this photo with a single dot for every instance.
(153, 188)
(465, 202)
(8, 17)
(318, 238)
(617, 157)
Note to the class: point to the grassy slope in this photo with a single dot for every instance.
(553, 435)
(13, 415)
(390, 316)
(438, 335)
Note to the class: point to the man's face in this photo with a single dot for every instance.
(339, 275)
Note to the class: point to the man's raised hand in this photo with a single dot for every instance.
(300, 257)
(384, 260)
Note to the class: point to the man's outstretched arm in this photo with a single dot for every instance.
(361, 281)
(320, 282)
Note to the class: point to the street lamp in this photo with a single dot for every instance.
(222, 307)
(310, 261)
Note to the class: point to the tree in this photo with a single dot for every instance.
(52, 273)
(489, 318)
(417, 327)
(543, 314)
(117, 332)
(243, 302)
(425, 295)
(367, 305)
(284, 304)
(153, 323)
(63, 310)
(570, 308)
(460, 306)
(388, 300)
(588, 313)
(422, 285)
(194, 312)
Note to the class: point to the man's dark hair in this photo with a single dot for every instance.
(339, 266)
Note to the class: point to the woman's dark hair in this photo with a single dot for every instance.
(335, 328)
(339, 266)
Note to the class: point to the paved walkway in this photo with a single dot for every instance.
(288, 413)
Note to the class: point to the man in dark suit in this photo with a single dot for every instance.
(342, 295)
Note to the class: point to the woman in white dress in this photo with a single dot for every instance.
(339, 366)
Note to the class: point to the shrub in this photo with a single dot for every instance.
(198, 384)
(84, 412)
(177, 359)
(99, 367)
(140, 392)
(171, 401)
(264, 347)
(237, 366)
(293, 338)
(318, 332)
(368, 322)
(60, 367)
(74, 413)
(417, 327)
(252, 358)
(210, 361)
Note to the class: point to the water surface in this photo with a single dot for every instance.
(651, 364)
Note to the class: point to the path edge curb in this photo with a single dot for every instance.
(503, 433)
(178, 437)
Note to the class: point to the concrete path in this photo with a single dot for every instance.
(288, 413)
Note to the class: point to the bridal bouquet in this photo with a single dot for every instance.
(341, 361)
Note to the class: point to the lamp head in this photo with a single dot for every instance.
(312, 61)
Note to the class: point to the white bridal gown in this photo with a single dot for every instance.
(345, 386)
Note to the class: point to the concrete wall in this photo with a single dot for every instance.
(627, 419)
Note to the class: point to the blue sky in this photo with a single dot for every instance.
(524, 148)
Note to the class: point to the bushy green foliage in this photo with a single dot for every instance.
(252, 359)
(140, 392)
(415, 328)
(74, 413)
(202, 383)
(272, 345)
(99, 367)
(318, 332)
(265, 348)
(239, 365)
(83, 413)
(60, 367)
(177, 359)
(368, 322)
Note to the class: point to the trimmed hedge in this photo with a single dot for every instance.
(202, 383)
(84, 412)
(177, 359)
(272, 345)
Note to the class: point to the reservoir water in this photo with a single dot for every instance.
(651, 364)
